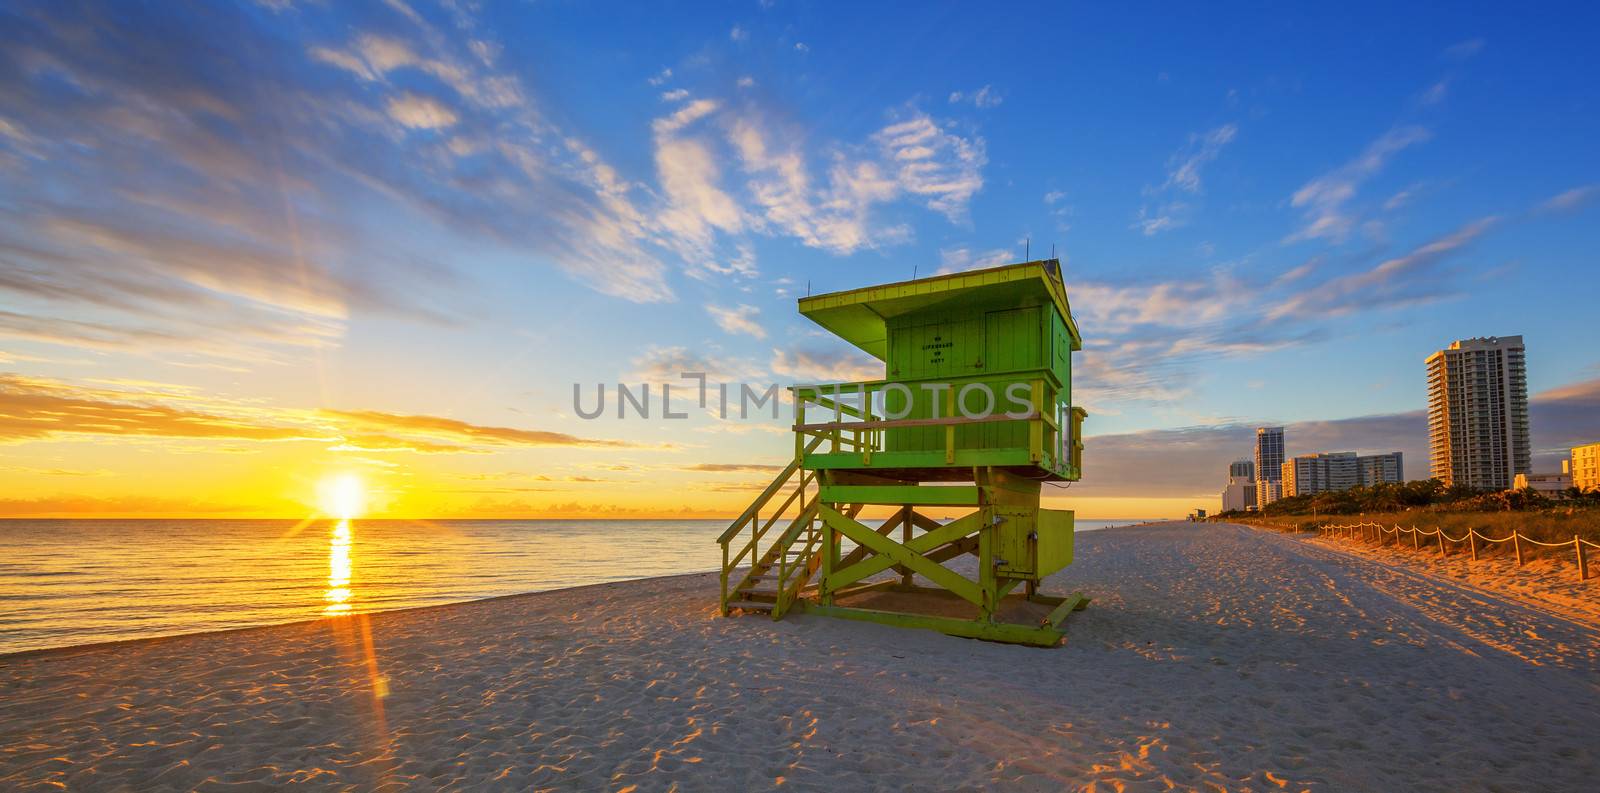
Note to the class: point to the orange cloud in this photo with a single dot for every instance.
(35, 409)
(460, 430)
(733, 468)
(71, 506)
(38, 409)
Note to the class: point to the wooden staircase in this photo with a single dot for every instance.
(784, 572)
(781, 566)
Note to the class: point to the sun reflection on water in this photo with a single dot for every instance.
(338, 593)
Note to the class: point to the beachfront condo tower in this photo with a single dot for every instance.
(949, 447)
(1585, 467)
(1269, 465)
(1377, 469)
(1332, 471)
(1478, 412)
(1306, 474)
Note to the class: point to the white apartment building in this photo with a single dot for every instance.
(1549, 485)
(1478, 412)
(1240, 493)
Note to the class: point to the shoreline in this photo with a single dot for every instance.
(166, 637)
(1212, 655)
(100, 643)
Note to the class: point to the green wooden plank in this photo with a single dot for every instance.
(959, 495)
(1069, 604)
(891, 553)
(932, 546)
(1009, 633)
(964, 458)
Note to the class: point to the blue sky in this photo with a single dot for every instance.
(1268, 214)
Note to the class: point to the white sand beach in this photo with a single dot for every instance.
(1213, 657)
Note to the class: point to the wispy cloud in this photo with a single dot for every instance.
(1403, 280)
(1463, 50)
(1161, 212)
(1325, 200)
(1183, 169)
(740, 321)
(943, 168)
(733, 468)
(1153, 220)
(953, 260)
(1571, 200)
(1436, 93)
(824, 365)
(984, 97)
(668, 364)
(915, 159)
(455, 431)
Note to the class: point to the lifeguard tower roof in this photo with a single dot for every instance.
(860, 316)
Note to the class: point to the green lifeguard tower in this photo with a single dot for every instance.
(974, 415)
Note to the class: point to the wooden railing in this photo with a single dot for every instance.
(1377, 532)
(794, 570)
(751, 517)
(858, 427)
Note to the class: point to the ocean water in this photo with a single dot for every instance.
(68, 582)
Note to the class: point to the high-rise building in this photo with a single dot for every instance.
(1268, 491)
(1478, 412)
(1374, 469)
(1269, 464)
(1240, 494)
(1319, 473)
(1585, 467)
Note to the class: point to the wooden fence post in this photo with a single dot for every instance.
(1415, 542)
(1472, 540)
(1583, 561)
(1516, 544)
(1442, 551)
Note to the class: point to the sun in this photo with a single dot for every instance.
(343, 496)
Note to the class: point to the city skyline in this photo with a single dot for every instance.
(387, 238)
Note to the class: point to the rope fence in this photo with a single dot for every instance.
(1375, 532)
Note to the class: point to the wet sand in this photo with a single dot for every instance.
(1213, 657)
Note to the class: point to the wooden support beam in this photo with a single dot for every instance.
(890, 553)
(1010, 633)
(1073, 602)
(960, 547)
(955, 496)
(905, 537)
(861, 551)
